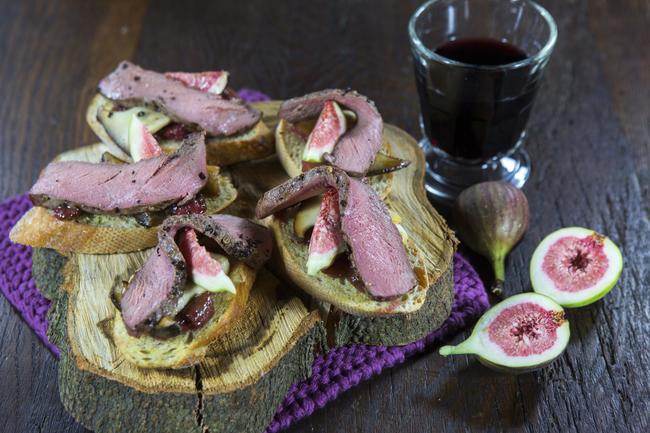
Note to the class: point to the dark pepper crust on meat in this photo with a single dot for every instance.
(240, 247)
(330, 175)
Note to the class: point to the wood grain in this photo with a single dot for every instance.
(589, 140)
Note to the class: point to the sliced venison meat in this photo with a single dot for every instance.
(131, 84)
(154, 290)
(357, 148)
(105, 188)
(378, 253)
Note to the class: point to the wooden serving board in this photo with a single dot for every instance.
(248, 371)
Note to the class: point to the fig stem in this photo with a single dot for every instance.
(497, 289)
(462, 348)
(499, 268)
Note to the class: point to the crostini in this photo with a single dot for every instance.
(85, 205)
(351, 252)
(336, 127)
(191, 287)
(171, 106)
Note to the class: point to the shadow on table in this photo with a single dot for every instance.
(484, 399)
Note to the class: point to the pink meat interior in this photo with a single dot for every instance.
(575, 264)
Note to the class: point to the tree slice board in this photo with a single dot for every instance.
(248, 371)
(433, 238)
(238, 387)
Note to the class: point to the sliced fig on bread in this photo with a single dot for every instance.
(182, 103)
(182, 297)
(380, 275)
(318, 129)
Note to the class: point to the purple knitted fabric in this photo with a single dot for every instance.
(16, 272)
(332, 373)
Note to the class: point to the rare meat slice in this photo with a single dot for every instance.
(154, 290)
(377, 251)
(356, 149)
(148, 185)
(130, 84)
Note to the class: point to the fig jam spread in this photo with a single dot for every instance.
(175, 131)
(196, 313)
(342, 269)
(65, 212)
(194, 206)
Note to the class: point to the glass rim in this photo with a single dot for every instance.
(541, 54)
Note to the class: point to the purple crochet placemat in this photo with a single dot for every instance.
(332, 373)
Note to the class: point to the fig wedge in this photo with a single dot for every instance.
(142, 144)
(330, 126)
(206, 271)
(327, 238)
(214, 82)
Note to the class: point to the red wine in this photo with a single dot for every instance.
(481, 51)
(476, 110)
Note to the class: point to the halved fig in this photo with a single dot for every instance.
(326, 240)
(385, 164)
(206, 271)
(522, 333)
(330, 126)
(211, 82)
(142, 144)
(116, 122)
(307, 215)
(575, 266)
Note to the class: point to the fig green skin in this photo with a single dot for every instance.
(492, 217)
(472, 345)
(578, 232)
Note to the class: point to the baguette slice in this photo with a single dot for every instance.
(290, 142)
(110, 234)
(188, 348)
(340, 292)
(255, 143)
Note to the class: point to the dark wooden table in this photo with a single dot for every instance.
(589, 140)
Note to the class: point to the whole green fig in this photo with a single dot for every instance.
(491, 218)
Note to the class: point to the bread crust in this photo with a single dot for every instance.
(39, 228)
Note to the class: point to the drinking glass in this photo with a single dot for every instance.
(474, 107)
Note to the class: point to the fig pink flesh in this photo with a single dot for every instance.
(145, 145)
(211, 81)
(196, 256)
(214, 114)
(357, 148)
(329, 127)
(525, 329)
(326, 235)
(575, 264)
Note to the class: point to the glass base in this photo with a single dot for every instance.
(446, 178)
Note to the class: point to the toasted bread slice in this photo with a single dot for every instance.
(340, 292)
(290, 141)
(255, 143)
(105, 234)
(190, 347)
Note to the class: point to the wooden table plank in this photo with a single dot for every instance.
(589, 140)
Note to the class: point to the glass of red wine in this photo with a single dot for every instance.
(478, 64)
